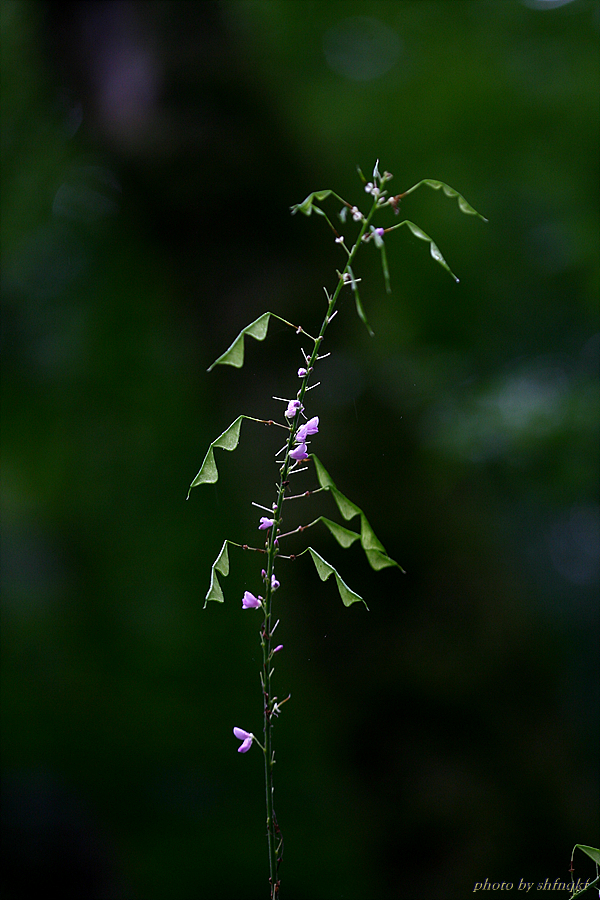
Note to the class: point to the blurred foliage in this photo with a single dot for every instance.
(150, 154)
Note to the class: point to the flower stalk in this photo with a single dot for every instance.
(293, 453)
(290, 457)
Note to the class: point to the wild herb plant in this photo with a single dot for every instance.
(294, 456)
(579, 888)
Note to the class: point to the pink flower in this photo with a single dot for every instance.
(299, 452)
(293, 407)
(278, 648)
(310, 427)
(265, 523)
(301, 372)
(246, 737)
(249, 601)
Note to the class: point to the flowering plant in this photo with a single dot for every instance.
(295, 452)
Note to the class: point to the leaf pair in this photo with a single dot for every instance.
(324, 570)
(307, 206)
(374, 549)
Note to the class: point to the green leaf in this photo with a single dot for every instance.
(449, 192)
(359, 306)
(324, 570)
(234, 355)
(227, 441)
(361, 313)
(592, 852)
(374, 549)
(386, 271)
(343, 536)
(221, 565)
(307, 207)
(323, 476)
(433, 247)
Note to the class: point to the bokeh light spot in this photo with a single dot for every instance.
(361, 48)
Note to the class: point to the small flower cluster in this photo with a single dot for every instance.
(374, 188)
(357, 216)
(311, 427)
(249, 600)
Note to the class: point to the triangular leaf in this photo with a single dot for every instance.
(234, 355)
(227, 441)
(307, 207)
(374, 549)
(433, 247)
(347, 508)
(379, 560)
(449, 192)
(221, 565)
(368, 538)
(343, 536)
(324, 570)
(323, 476)
(592, 852)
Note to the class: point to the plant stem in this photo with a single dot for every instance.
(274, 838)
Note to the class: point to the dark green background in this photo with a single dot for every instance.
(150, 154)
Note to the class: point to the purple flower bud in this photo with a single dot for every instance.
(274, 583)
(265, 523)
(263, 573)
(278, 648)
(246, 737)
(299, 452)
(377, 235)
(310, 427)
(249, 601)
(293, 407)
(301, 373)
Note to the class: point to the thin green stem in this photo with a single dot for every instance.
(586, 888)
(270, 708)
